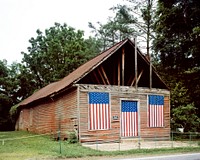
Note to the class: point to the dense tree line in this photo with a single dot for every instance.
(177, 29)
(170, 28)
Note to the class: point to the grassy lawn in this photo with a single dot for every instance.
(37, 147)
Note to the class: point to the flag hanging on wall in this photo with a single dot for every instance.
(99, 111)
(129, 118)
(156, 104)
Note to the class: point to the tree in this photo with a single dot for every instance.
(4, 99)
(8, 87)
(132, 20)
(51, 57)
(185, 116)
(183, 112)
(176, 44)
(177, 34)
(115, 29)
(57, 52)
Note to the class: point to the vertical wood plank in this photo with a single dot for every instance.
(123, 64)
(136, 85)
(119, 71)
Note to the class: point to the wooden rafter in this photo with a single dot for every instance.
(138, 78)
(104, 74)
(130, 79)
(101, 76)
(133, 81)
(97, 79)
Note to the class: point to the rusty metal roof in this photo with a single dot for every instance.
(73, 77)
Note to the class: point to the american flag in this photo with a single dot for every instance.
(129, 118)
(156, 103)
(99, 111)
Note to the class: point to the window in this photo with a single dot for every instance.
(99, 111)
(155, 110)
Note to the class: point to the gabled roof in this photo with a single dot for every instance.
(76, 75)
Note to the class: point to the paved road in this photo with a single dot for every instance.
(189, 156)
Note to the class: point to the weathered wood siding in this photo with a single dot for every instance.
(50, 117)
(116, 95)
(69, 112)
(39, 119)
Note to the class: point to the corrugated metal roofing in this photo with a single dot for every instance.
(77, 74)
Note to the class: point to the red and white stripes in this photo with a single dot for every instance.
(99, 116)
(129, 124)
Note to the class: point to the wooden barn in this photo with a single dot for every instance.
(114, 95)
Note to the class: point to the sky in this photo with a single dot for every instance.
(19, 20)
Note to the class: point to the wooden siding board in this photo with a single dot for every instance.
(115, 98)
(47, 117)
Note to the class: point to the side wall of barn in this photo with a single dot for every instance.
(116, 95)
(50, 117)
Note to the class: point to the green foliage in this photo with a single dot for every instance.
(16, 84)
(72, 137)
(7, 96)
(177, 47)
(177, 28)
(51, 56)
(116, 29)
(186, 117)
(183, 113)
(132, 20)
(179, 96)
(57, 52)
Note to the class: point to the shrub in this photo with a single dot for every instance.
(72, 137)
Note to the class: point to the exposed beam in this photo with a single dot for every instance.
(114, 75)
(123, 63)
(96, 77)
(104, 74)
(101, 77)
(140, 76)
(136, 62)
(119, 73)
(134, 80)
(129, 81)
(150, 74)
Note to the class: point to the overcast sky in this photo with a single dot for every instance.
(19, 20)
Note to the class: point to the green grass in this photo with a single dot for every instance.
(45, 147)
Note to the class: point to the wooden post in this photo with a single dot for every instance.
(136, 84)
(78, 111)
(123, 62)
(114, 76)
(150, 74)
(119, 72)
